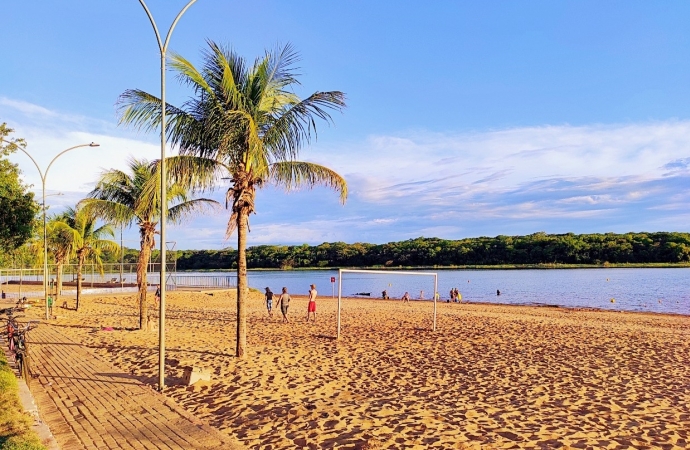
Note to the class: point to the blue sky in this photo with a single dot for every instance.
(464, 118)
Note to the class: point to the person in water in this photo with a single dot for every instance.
(406, 297)
(498, 292)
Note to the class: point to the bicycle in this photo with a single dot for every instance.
(21, 351)
(12, 327)
(17, 342)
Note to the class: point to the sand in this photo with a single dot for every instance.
(489, 377)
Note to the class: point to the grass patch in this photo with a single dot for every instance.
(15, 424)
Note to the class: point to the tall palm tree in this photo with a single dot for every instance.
(60, 245)
(125, 198)
(88, 240)
(244, 121)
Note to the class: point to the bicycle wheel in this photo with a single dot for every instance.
(26, 364)
(19, 361)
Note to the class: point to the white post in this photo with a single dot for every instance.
(340, 293)
(435, 295)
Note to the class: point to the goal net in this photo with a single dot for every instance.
(433, 295)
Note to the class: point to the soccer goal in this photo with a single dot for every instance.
(384, 272)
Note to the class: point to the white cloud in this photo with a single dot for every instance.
(552, 178)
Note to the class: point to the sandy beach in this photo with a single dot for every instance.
(489, 377)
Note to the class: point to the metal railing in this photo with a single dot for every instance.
(17, 283)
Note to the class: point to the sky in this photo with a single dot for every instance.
(464, 119)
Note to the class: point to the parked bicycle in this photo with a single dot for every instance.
(17, 334)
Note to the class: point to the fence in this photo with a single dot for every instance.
(116, 278)
(202, 281)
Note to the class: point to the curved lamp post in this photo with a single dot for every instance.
(163, 48)
(45, 238)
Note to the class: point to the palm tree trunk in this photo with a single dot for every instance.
(58, 280)
(146, 235)
(241, 283)
(80, 263)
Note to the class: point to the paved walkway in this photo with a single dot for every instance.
(88, 404)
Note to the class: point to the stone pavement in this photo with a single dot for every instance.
(88, 404)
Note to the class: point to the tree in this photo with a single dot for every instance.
(124, 198)
(17, 206)
(59, 237)
(244, 121)
(87, 240)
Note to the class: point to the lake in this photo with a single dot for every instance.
(662, 290)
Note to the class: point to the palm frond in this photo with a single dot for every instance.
(285, 135)
(181, 211)
(293, 174)
(109, 210)
(142, 111)
(188, 74)
(195, 173)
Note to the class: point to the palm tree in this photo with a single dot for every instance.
(60, 245)
(88, 240)
(244, 121)
(125, 198)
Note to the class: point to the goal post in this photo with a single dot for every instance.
(386, 272)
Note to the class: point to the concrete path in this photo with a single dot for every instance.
(88, 404)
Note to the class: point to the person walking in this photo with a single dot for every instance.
(269, 302)
(311, 308)
(284, 302)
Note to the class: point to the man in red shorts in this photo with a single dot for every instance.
(312, 302)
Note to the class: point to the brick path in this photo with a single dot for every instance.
(88, 404)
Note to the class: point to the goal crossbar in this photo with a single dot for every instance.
(388, 272)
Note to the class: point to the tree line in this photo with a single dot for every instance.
(538, 248)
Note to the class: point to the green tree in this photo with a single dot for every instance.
(123, 198)
(17, 206)
(60, 240)
(244, 121)
(88, 241)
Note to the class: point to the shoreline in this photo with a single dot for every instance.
(467, 267)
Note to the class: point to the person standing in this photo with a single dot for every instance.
(158, 295)
(50, 307)
(311, 308)
(451, 296)
(406, 297)
(284, 302)
(269, 302)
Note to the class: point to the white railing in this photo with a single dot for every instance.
(202, 281)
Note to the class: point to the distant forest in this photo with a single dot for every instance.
(533, 249)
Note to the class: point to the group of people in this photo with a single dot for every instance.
(455, 296)
(284, 303)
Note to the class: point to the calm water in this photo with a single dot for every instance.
(656, 290)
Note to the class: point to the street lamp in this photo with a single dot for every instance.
(163, 47)
(45, 237)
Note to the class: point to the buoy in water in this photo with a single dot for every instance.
(613, 300)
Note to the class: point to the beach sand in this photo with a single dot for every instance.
(491, 376)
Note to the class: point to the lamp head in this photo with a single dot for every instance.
(93, 144)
